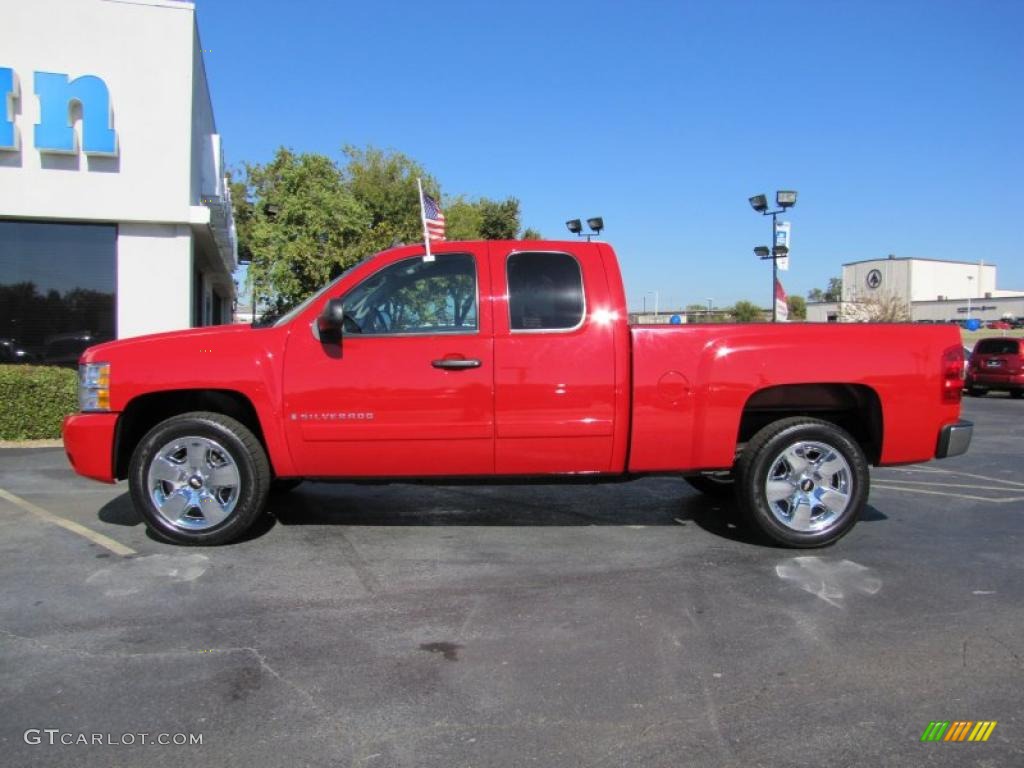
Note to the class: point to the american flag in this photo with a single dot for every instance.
(433, 218)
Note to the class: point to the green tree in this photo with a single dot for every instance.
(299, 222)
(797, 307)
(384, 185)
(463, 219)
(746, 312)
(484, 219)
(302, 218)
(499, 220)
(531, 234)
(834, 292)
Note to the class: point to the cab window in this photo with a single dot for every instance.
(416, 296)
(545, 292)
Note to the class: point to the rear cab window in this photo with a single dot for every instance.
(545, 292)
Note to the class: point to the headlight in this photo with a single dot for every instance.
(94, 387)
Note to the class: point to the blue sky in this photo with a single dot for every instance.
(899, 123)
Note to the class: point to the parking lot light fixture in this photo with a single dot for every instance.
(759, 203)
(785, 198)
(762, 252)
(596, 224)
(574, 225)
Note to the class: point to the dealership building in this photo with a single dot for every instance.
(931, 289)
(115, 217)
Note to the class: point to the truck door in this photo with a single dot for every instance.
(554, 361)
(409, 391)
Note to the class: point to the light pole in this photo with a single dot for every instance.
(655, 302)
(784, 198)
(970, 292)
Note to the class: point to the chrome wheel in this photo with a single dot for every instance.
(194, 483)
(808, 486)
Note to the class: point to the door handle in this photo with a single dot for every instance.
(455, 364)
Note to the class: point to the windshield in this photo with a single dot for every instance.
(291, 314)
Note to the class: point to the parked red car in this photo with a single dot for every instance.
(998, 325)
(996, 364)
(511, 359)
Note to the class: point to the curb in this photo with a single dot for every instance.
(31, 444)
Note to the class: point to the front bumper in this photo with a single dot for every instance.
(954, 439)
(89, 444)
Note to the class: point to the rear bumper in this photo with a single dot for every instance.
(89, 444)
(954, 439)
(994, 380)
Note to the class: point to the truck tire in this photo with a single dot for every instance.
(802, 482)
(199, 479)
(718, 485)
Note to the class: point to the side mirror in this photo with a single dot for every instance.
(331, 321)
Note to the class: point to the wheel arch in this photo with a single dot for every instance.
(855, 408)
(146, 411)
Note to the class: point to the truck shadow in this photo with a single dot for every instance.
(660, 501)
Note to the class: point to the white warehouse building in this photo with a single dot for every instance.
(115, 217)
(932, 289)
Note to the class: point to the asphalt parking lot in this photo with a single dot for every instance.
(615, 625)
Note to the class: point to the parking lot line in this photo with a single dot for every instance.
(935, 471)
(911, 489)
(945, 485)
(96, 538)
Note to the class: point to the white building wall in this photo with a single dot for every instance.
(895, 274)
(919, 279)
(953, 280)
(144, 55)
(164, 188)
(155, 261)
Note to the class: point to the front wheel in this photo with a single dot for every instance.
(803, 482)
(199, 478)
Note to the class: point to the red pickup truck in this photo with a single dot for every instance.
(515, 360)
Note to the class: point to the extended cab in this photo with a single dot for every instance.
(511, 359)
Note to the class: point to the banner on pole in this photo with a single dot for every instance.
(782, 239)
(781, 307)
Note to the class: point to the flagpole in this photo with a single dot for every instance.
(423, 220)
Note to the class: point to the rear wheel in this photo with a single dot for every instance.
(976, 391)
(199, 478)
(802, 482)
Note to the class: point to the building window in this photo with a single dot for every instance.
(545, 292)
(57, 288)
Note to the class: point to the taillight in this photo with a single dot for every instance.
(952, 374)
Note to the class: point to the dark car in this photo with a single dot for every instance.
(996, 364)
(65, 348)
(12, 352)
